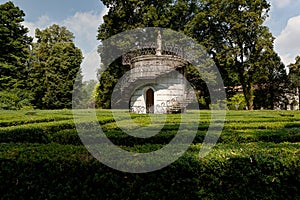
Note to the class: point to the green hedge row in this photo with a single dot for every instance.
(13, 118)
(7, 123)
(256, 135)
(43, 132)
(34, 133)
(245, 171)
(64, 132)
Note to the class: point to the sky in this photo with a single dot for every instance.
(84, 17)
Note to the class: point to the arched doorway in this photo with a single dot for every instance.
(150, 101)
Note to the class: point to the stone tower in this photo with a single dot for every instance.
(158, 76)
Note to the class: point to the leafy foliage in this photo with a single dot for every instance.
(257, 157)
(232, 32)
(40, 74)
(237, 102)
(15, 99)
(14, 51)
(295, 72)
(132, 14)
(273, 84)
(234, 35)
(107, 81)
(56, 63)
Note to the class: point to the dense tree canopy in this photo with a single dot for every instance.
(271, 85)
(14, 51)
(56, 62)
(295, 72)
(14, 56)
(234, 35)
(39, 74)
(232, 32)
(294, 76)
(127, 15)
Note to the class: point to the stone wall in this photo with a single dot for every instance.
(169, 90)
(164, 74)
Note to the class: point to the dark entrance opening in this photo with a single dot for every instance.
(150, 101)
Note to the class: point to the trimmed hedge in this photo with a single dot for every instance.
(33, 133)
(64, 132)
(254, 171)
(257, 157)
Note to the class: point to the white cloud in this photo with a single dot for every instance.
(41, 23)
(287, 44)
(31, 27)
(90, 65)
(84, 25)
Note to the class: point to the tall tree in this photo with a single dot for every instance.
(294, 73)
(272, 85)
(232, 32)
(54, 68)
(294, 76)
(234, 35)
(131, 14)
(14, 51)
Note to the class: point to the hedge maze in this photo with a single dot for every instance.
(256, 157)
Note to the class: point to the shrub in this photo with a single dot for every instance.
(256, 157)
(237, 102)
(255, 171)
(15, 99)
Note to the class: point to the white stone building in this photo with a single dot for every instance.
(290, 101)
(156, 82)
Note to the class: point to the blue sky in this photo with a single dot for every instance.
(281, 11)
(57, 10)
(83, 18)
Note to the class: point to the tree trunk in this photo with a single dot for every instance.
(248, 93)
(247, 90)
